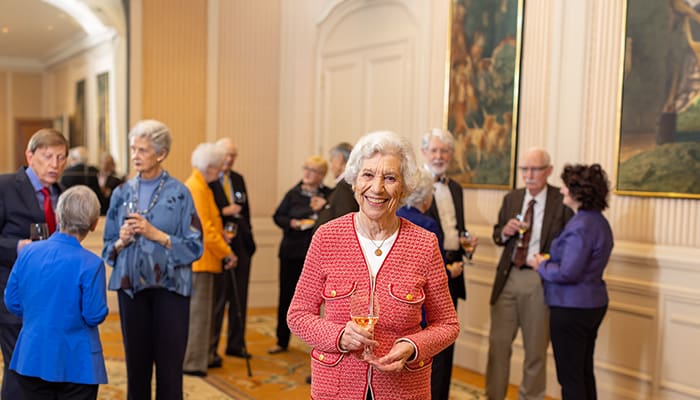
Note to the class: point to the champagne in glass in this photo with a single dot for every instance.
(465, 240)
(230, 230)
(38, 231)
(364, 311)
(523, 227)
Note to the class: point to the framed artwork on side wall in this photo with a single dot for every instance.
(483, 83)
(103, 111)
(658, 146)
(76, 134)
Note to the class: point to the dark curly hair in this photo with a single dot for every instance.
(588, 185)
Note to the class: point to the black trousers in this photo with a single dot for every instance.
(154, 328)
(290, 270)
(573, 332)
(38, 389)
(10, 326)
(224, 294)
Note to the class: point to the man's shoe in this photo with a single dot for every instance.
(276, 349)
(238, 353)
(308, 379)
(216, 362)
(195, 373)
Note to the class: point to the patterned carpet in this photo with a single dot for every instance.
(275, 377)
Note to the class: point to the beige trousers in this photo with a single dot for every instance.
(200, 330)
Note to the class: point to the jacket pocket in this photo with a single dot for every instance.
(326, 374)
(337, 290)
(407, 294)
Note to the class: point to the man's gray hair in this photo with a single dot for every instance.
(78, 155)
(441, 134)
(384, 142)
(344, 149)
(77, 210)
(207, 154)
(155, 132)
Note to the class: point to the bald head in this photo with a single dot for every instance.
(231, 153)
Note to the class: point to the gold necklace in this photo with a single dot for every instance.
(378, 252)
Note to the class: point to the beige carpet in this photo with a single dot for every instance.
(275, 377)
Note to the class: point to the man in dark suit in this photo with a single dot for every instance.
(342, 199)
(80, 173)
(232, 199)
(448, 210)
(26, 196)
(517, 299)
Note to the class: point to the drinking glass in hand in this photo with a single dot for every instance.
(523, 227)
(239, 198)
(38, 231)
(230, 230)
(131, 208)
(364, 311)
(465, 240)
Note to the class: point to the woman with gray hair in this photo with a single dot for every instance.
(152, 236)
(379, 259)
(207, 160)
(58, 289)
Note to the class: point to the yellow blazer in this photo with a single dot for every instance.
(215, 247)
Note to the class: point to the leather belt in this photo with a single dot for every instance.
(525, 266)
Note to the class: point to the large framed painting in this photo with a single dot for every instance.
(658, 152)
(483, 83)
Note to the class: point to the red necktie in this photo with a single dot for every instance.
(48, 210)
(520, 257)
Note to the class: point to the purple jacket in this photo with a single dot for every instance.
(573, 276)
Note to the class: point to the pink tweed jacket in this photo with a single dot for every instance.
(413, 275)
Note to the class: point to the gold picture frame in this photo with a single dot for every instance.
(483, 80)
(658, 141)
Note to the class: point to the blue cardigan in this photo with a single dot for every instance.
(58, 289)
(573, 276)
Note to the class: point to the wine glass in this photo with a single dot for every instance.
(230, 230)
(465, 240)
(364, 311)
(523, 227)
(239, 198)
(38, 231)
(132, 207)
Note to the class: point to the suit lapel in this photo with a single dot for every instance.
(25, 190)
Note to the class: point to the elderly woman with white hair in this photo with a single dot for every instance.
(395, 264)
(57, 287)
(207, 159)
(152, 236)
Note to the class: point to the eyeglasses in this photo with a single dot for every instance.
(525, 170)
(309, 169)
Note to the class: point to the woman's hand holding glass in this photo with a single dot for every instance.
(364, 313)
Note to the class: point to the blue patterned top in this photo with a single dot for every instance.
(145, 264)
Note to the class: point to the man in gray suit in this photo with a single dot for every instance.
(517, 299)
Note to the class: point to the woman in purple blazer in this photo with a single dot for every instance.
(573, 279)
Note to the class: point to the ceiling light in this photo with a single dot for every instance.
(5, 29)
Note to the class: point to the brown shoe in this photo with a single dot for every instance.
(276, 349)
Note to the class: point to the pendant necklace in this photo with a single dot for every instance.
(378, 252)
(156, 193)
